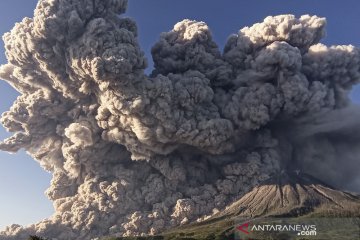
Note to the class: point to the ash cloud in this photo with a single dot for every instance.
(133, 154)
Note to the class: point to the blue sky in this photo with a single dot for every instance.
(23, 182)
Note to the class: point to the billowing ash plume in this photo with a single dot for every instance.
(133, 154)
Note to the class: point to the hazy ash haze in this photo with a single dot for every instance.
(134, 153)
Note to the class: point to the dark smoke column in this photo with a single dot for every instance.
(133, 154)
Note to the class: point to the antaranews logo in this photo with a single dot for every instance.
(296, 229)
(244, 228)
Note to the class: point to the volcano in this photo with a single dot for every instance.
(293, 194)
(285, 195)
(135, 151)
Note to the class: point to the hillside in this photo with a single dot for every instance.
(295, 196)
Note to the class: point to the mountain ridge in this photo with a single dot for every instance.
(285, 195)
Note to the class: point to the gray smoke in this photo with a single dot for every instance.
(133, 154)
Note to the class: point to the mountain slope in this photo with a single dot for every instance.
(293, 195)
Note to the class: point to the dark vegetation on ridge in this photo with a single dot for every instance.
(36, 238)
